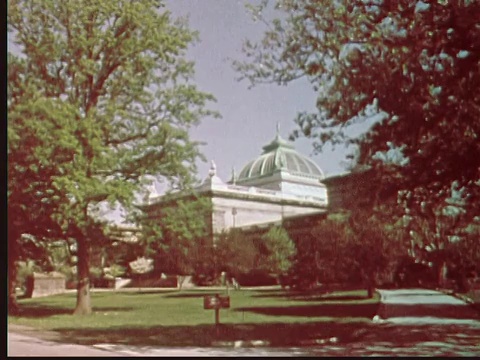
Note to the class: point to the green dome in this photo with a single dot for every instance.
(276, 156)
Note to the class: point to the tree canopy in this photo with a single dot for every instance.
(236, 253)
(178, 235)
(277, 251)
(416, 63)
(107, 93)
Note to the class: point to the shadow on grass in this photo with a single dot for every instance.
(320, 310)
(448, 311)
(277, 334)
(41, 311)
(146, 292)
(112, 308)
(338, 298)
(33, 311)
(193, 295)
(312, 295)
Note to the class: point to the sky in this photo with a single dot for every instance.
(249, 116)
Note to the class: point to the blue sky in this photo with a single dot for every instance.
(249, 116)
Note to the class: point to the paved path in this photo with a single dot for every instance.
(25, 345)
(424, 306)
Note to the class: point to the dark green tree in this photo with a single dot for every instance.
(415, 63)
(373, 249)
(277, 251)
(350, 247)
(34, 157)
(117, 91)
(178, 236)
(236, 253)
(440, 225)
(330, 239)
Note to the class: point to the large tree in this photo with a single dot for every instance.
(439, 229)
(328, 244)
(416, 63)
(235, 253)
(35, 149)
(373, 249)
(177, 234)
(277, 251)
(350, 247)
(117, 87)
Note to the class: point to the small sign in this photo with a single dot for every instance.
(224, 302)
(216, 302)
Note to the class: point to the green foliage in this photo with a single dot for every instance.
(374, 248)
(122, 254)
(25, 270)
(68, 271)
(99, 99)
(329, 244)
(441, 228)
(59, 253)
(178, 235)
(409, 72)
(126, 104)
(115, 270)
(96, 272)
(278, 251)
(417, 64)
(350, 247)
(61, 259)
(236, 253)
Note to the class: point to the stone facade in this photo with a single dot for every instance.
(46, 284)
(351, 190)
(279, 185)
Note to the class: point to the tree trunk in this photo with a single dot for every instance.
(370, 288)
(13, 237)
(370, 285)
(442, 272)
(83, 306)
(13, 308)
(180, 279)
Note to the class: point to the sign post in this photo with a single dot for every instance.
(216, 302)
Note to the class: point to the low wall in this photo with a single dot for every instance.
(121, 283)
(185, 282)
(45, 284)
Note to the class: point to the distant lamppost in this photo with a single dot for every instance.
(407, 219)
(234, 212)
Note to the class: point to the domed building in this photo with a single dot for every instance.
(278, 185)
(282, 168)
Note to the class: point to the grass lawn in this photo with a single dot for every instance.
(177, 318)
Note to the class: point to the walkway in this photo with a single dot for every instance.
(25, 345)
(413, 306)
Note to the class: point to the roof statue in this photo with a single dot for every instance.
(212, 178)
(234, 176)
(213, 169)
(152, 190)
